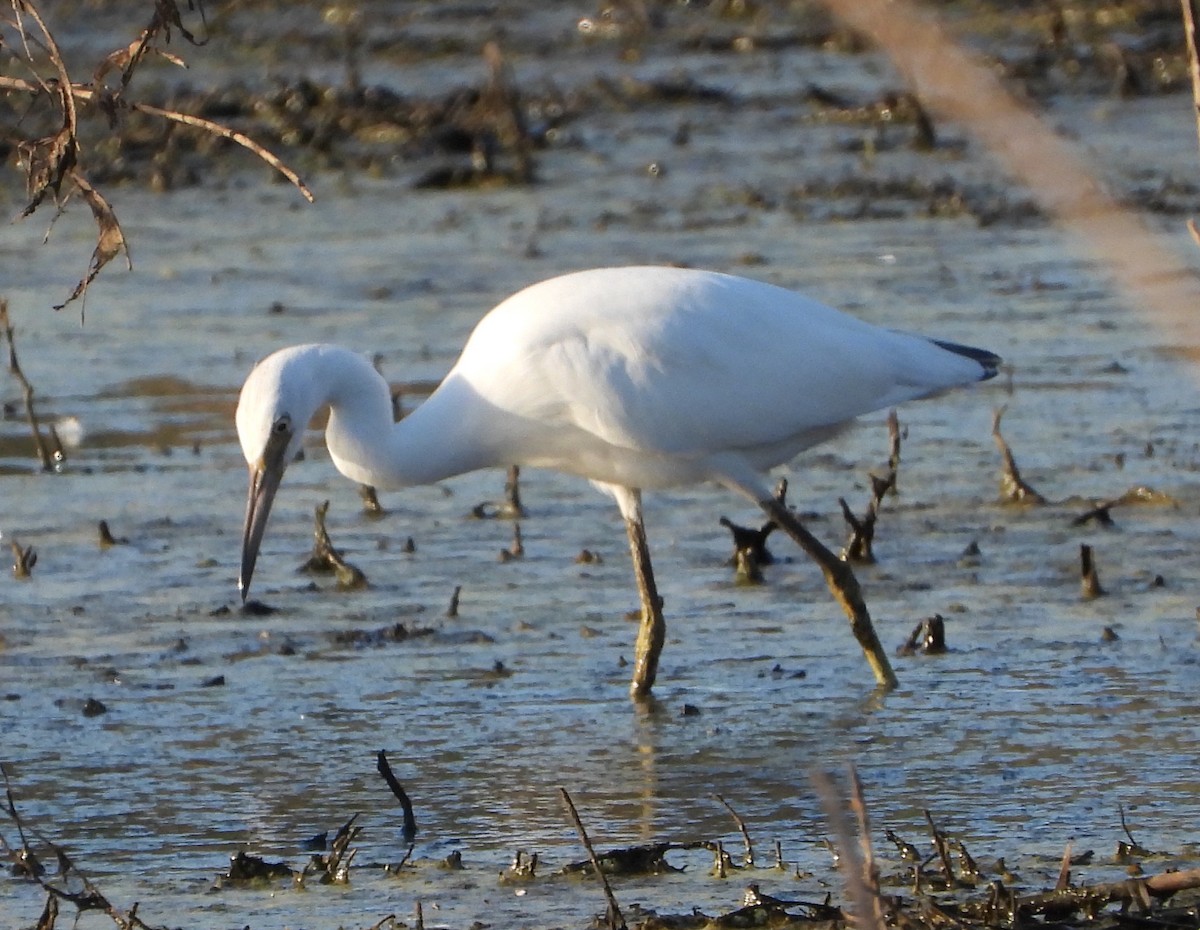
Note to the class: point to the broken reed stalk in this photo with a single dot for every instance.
(616, 920)
(862, 532)
(1013, 487)
(1089, 578)
(741, 825)
(1064, 870)
(894, 437)
(940, 847)
(512, 492)
(27, 391)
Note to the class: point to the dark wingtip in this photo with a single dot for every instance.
(989, 361)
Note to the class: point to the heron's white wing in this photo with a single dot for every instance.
(685, 362)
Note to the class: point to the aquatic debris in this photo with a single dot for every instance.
(452, 609)
(748, 860)
(409, 832)
(256, 608)
(246, 869)
(333, 868)
(381, 636)
(928, 637)
(325, 558)
(1140, 494)
(24, 558)
(522, 869)
(106, 537)
(750, 549)
(1089, 577)
(69, 883)
(1013, 488)
(511, 507)
(494, 129)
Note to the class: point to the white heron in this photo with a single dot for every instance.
(635, 378)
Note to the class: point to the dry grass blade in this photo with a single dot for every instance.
(861, 888)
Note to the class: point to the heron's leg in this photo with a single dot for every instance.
(842, 583)
(652, 631)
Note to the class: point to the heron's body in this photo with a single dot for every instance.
(635, 378)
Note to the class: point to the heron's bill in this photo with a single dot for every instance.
(264, 482)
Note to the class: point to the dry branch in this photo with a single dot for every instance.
(748, 861)
(27, 391)
(52, 163)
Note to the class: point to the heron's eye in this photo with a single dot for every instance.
(282, 425)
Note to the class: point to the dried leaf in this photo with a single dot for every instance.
(47, 161)
(110, 240)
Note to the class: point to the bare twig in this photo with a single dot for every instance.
(616, 920)
(26, 389)
(741, 825)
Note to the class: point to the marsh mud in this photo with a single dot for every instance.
(756, 138)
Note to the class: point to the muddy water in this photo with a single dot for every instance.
(1030, 733)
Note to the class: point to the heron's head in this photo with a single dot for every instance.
(277, 401)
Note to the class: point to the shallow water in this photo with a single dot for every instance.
(1029, 734)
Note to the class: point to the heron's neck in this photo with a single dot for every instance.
(367, 446)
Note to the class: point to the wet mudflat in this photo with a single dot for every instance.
(224, 731)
